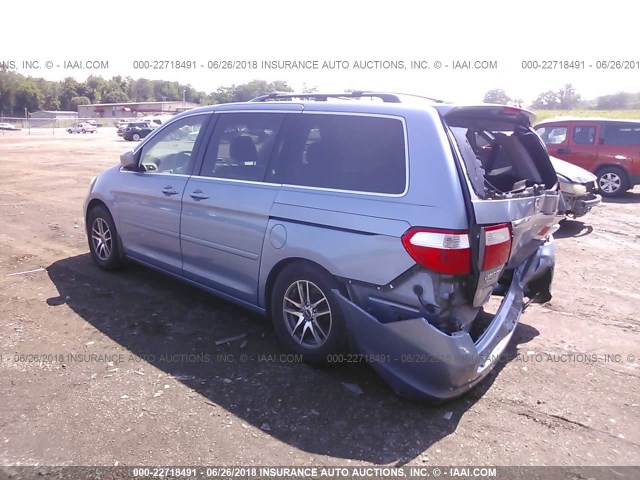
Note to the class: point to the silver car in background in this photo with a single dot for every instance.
(82, 127)
(384, 225)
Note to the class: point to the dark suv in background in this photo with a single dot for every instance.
(137, 131)
(608, 148)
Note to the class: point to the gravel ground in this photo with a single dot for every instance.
(132, 374)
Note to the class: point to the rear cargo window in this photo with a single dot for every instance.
(344, 152)
(502, 158)
(622, 134)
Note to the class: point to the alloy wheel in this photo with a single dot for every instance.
(610, 182)
(307, 314)
(101, 239)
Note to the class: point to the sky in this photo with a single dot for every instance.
(236, 34)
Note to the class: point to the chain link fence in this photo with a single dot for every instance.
(50, 126)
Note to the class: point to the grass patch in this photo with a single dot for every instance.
(621, 114)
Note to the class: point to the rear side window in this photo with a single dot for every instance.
(584, 135)
(241, 145)
(622, 134)
(343, 152)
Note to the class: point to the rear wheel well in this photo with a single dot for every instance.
(280, 266)
(612, 165)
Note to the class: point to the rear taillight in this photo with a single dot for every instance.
(497, 245)
(443, 251)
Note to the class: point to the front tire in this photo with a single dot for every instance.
(612, 181)
(136, 137)
(305, 313)
(103, 239)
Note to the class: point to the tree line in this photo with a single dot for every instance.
(18, 92)
(566, 98)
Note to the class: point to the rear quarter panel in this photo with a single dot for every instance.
(626, 157)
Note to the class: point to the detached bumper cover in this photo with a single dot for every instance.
(419, 361)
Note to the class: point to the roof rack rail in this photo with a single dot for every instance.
(385, 97)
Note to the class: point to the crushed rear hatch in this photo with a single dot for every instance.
(511, 182)
(445, 346)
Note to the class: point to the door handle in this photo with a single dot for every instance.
(563, 150)
(169, 190)
(199, 195)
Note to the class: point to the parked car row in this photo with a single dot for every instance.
(121, 126)
(82, 127)
(139, 128)
(608, 148)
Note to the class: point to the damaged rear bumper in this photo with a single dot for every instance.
(581, 205)
(421, 362)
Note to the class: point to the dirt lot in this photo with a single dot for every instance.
(158, 389)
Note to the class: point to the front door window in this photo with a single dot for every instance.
(171, 150)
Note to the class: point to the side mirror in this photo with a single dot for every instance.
(129, 161)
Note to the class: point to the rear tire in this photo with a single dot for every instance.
(136, 137)
(612, 181)
(305, 313)
(103, 239)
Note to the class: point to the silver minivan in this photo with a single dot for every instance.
(372, 221)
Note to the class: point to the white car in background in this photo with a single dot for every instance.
(83, 127)
(8, 126)
(578, 187)
(156, 120)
